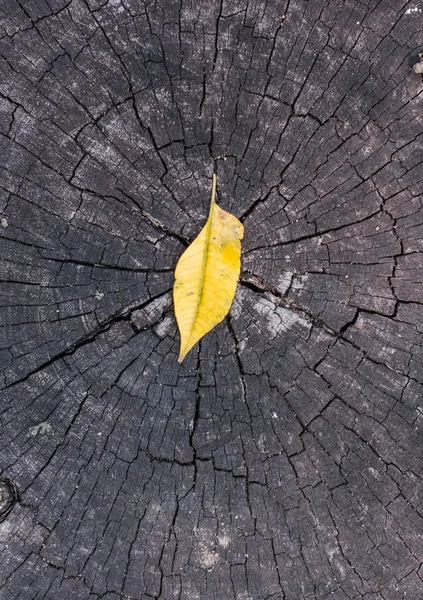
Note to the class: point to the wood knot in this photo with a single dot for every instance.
(9, 495)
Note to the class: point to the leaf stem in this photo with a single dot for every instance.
(213, 194)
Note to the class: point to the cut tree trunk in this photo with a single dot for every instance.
(283, 458)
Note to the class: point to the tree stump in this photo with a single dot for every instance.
(283, 458)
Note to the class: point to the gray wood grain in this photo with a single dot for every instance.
(283, 458)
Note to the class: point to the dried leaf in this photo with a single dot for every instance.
(206, 276)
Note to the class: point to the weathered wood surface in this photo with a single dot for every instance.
(283, 458)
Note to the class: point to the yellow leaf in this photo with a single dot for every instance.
(206, 276)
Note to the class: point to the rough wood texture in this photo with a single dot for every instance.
(283, 458)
